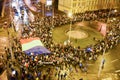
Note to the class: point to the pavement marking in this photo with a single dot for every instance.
(114, 60)
(107, 78)
(117, 71)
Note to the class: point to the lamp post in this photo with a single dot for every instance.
(53, 12)
(102, 62)
(53, 8)
(70, 16)
(110, 8)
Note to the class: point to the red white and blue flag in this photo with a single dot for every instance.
(33, 45)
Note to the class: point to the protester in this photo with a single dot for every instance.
(62, 54)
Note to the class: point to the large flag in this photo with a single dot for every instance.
(33, 45)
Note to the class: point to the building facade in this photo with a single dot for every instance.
(47, 7)
(1, 7)
(79, 6)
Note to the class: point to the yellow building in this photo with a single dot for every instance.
(78, 6)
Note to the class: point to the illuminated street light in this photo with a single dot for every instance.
(114, 19)
(70, 16)
(115, 10)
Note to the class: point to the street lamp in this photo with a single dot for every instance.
(114, 19)
(115, 10)
(70, 16)
(102, 63)
(53, 12)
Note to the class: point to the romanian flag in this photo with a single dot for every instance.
(34, 46)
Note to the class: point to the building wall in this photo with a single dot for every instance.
(1, 6)
(64, 5)
(77, 6)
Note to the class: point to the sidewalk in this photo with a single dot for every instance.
(3, 76)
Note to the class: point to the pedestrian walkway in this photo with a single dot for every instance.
(4, 76)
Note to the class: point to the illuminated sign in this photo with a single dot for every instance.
(49, 2)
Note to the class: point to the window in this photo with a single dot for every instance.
(74, 4)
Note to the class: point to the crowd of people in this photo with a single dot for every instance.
(62, 55)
